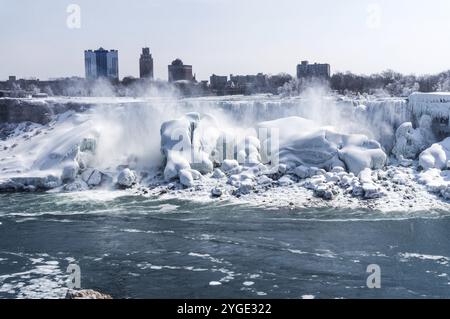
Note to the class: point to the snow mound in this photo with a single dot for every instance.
(301, 142)
(437, 156)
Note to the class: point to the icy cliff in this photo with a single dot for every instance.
(330, 145)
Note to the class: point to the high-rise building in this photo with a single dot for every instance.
(146, 64)
(316, 70)
(101, 63)
(180, 72)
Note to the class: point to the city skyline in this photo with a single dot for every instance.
(215, 39)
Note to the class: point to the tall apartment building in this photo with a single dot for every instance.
(101, 63)
(316, 70)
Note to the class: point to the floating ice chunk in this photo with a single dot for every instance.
(437, 156)
(215, 283)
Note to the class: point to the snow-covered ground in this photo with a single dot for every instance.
(313, 150)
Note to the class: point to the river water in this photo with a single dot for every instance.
(137, 247)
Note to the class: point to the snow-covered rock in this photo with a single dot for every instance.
(216, 192)
(302, 172)
(285, 181)
(229, 165)
(282, 169)
(175, 163)
(92, 177)
(264, 180)
(371, 191)
(245, 187)
(76, 186)
(366, 176)
(20, 184)
(126, 178)
(324, 191)
(186, 178)
(437, 156)
(367, 154)
(410, 142)
(218, 174)
(70, 172)
(446, 193)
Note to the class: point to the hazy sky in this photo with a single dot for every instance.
(227, 36)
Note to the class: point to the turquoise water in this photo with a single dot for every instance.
(135, 247)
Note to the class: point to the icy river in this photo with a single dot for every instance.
(136, 247)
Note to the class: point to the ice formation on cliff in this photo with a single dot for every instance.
(326, 144)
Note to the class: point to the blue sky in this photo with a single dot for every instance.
(227, 36)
